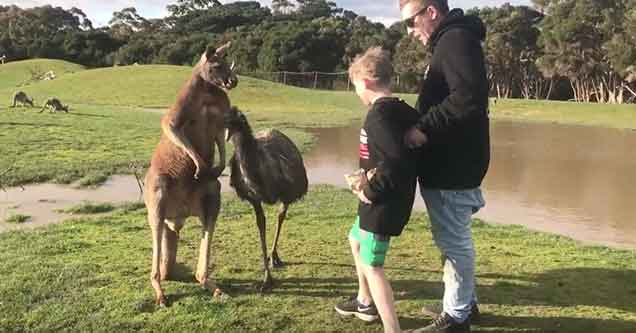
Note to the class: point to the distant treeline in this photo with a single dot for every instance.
(583, 50)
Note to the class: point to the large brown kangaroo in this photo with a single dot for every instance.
(180, 181)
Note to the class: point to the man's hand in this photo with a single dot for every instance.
(362, 197)
(414, 138)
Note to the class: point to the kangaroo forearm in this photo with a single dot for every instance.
(176, 136)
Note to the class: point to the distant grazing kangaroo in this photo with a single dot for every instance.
(22, 98)
(180, 181)
(54, 104)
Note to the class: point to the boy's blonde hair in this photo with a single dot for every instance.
(374, 65)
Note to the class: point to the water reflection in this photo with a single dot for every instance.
(572, 180)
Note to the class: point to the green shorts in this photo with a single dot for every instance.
(373, 247)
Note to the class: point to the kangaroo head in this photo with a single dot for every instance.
(214, 69)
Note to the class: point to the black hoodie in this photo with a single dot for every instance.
(392, 188)
(453, 104)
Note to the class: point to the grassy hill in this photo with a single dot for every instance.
(15, 74)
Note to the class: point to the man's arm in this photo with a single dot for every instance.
(464, 69)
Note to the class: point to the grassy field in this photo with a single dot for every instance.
(15, 74)
(92, 274)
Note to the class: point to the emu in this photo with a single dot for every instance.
(22, 98)
(181, 181)
(265, 168)
(54, 105)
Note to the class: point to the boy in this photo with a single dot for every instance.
(386, 198)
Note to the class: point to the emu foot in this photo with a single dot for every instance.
(267, 285)
(214, 289)
(275, 262)
(161, 302)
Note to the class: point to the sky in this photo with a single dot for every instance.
(100, 11)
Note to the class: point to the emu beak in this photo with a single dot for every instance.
(227, 135)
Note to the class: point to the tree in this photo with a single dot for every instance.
(282, 7)
(511, 51)
(184, 7)
(575, 39)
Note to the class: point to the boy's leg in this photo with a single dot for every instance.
(364, 294)
(450, 213)
(362, 305)
(383, 297)
(373, 249)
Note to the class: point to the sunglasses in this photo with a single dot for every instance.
(410, 22)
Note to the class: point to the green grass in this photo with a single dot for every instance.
(570, 113)
(17, 218)
(98, 279)
(87, 208)
(15, 74)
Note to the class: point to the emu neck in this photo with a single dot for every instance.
(244, 143)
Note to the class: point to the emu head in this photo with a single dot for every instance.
(215, 70)
(235, 122)
(66, 108)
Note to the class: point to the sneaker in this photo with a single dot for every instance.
(434, 311)
(352, 307)
(445, 324)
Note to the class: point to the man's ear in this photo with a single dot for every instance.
(432, 12)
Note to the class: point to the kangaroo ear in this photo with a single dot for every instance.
(209, 53)
(220, 52)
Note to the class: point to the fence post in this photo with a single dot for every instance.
(284, 77)
(315, 80)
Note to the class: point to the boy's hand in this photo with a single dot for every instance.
(414, 138)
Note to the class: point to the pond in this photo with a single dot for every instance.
(576, 181)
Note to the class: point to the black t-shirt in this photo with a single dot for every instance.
(392, 188)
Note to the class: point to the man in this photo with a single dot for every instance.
(453, 136)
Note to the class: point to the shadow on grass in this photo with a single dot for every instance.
(608, 288)
(87, 115)
(388, 268)
(32, 124)
(494, 323)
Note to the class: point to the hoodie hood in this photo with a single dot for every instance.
(455, 19)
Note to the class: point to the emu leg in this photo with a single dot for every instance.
(260, 222)
(169, 250)
(274, 260)
(211, 205)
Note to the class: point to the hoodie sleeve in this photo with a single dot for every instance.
(386, 145)
(462, 65)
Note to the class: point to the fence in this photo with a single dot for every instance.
(406, 83)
